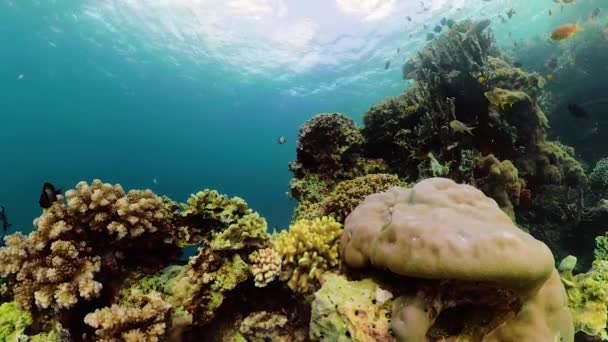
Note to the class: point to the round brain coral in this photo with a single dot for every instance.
(440, 230)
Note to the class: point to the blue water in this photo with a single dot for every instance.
(194, 94)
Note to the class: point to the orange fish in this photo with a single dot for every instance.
(565, 31)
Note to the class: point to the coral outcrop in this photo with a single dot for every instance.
(308, 249)
(100, 228)
(454, 234)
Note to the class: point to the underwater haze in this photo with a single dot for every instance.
(183, 95)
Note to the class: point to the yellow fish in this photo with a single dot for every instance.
(460, 127)
(481, 79)
(549, 77)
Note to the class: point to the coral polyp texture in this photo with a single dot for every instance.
(439, 230)
(59, 262)
(308, 249)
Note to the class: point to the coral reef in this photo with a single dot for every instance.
(500, 180)
(264, 326)
(348, 194)
(265, 266)
(13, 321)
(454, 233)
(101, 226)
(144, 318)
(350, 310)
(598, 178)
(308, 249)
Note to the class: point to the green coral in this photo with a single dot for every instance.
(308, 249)
(587, 296)
(13, 321)
(348, 194)
(558, 166)
(345, 310)
(601, 248)
(248, 231)
(210, 204)
(598, 178)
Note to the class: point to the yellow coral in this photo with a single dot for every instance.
(502, 97)
(265, 266)
(308, 249)
(212, 204)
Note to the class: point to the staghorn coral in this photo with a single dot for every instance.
(458, 242)
(349, 193)
(308, 249)
(144, 318)
(247, 231)
(265, 266)
(359, 310)
(59, 262)
(265, 326)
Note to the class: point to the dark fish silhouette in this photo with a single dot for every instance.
(578, 111)
(408, 18)
(4, 220)
(49, 195)
(430, 36)
(444, 21)
(387, 64)
(282, 140)
(437, 28)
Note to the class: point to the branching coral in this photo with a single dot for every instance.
(265, 266)
(58, 263)
(13, 322)
(210, 204)
(247, 231)
(308, 249)
(144, 318)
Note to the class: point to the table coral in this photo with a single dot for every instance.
(144, 318)
(308, 249)
(448, 232)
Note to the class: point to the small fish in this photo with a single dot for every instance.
(460, 127)
(408, 18)
(438, 28)
(517, 64)
(20, 77)
(281, 140)
(451, 23)
(387, 64)
(565, 31)
(549, 77)
(430, 36)
(481, 79)
(398, 50)
(452, 146)
(155, 181)
(578, 111)
(510, 12)
(444, 21)
(4, 220)
(594, 14)
(49, 195)
(550, 13)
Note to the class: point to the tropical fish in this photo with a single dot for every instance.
(550, 13)
(510, 12)
(4, 220)
(444, 21)
(578, 111)
(387, 64)
(281, 140)
(437, 28)
(430, 36)
(565, 31)
(594, 14)
(451, 23)
(460, 127)
(481, 79)
(549, 77)
(49, 195)
(408, 18)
